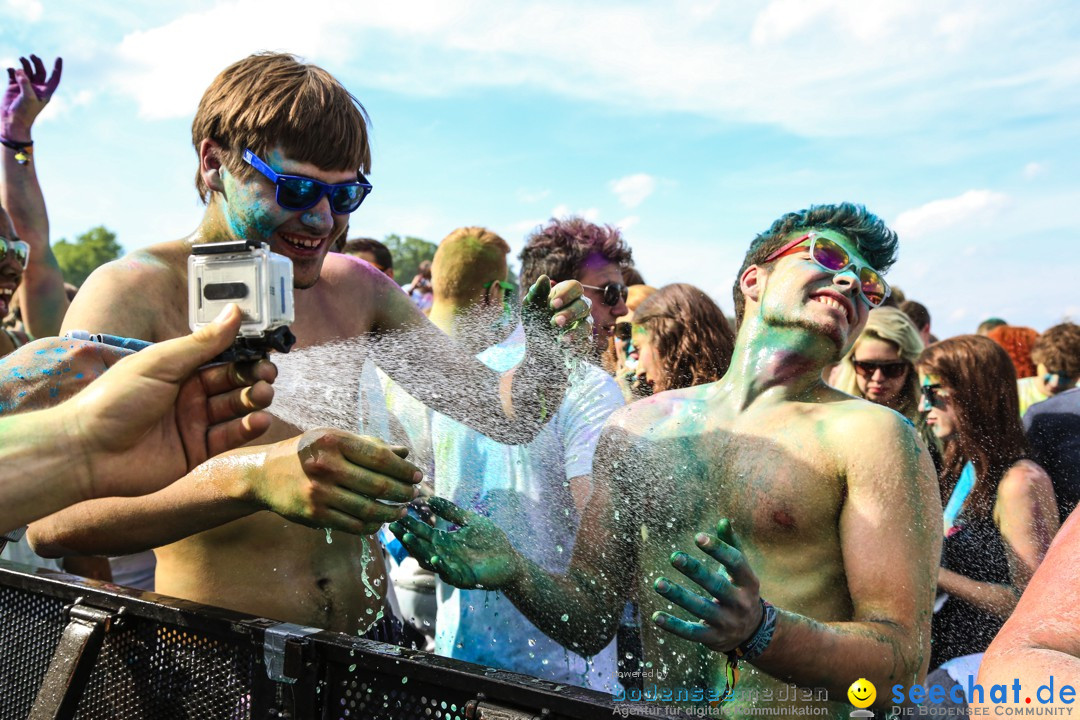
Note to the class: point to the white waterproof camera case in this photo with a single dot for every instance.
(247, 273)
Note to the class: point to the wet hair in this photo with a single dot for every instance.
(1059, 349)
(1017, 342)
(989, 324)
(268, 100)
(917, 312)
(690, 334)
(631, 276)
(981, 381)
(373, 246)
(560, 248)
(465, 260)
(875, 242)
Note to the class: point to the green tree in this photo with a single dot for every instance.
(408, 253)
(92, 248)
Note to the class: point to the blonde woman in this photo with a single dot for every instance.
(881, 368)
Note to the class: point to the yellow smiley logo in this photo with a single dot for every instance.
(862, 693)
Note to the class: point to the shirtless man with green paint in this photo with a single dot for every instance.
(824, 505)
(271, 115)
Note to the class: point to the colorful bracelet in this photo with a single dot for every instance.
(756, 644)
(23, 150)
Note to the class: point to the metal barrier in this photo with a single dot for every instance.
(77, 648)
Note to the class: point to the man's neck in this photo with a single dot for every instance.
(786, 362)
(213, 226)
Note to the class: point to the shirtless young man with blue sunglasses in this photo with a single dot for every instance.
(281, 146)
(765, 520)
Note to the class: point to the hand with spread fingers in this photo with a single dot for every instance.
(28, 92)
(329, 478)
(729, 611)
(476, 555)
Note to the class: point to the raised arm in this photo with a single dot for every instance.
(41, 294)
(511, 407)
(581, 609)
(890, 539)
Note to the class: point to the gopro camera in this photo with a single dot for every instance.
(244, 272)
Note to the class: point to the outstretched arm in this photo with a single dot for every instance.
(887, 640)
(41, 294)
(581, 609)
(509, 408)
(146, 421)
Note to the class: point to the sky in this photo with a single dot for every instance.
(689, 125)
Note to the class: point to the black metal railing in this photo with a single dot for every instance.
(77, 648)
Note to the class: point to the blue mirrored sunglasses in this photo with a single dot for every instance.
(296, 192)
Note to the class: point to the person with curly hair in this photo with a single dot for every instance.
(682, 339)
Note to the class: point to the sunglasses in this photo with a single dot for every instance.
(935, 396)
(612, 293)
(832, 257)
(889, 370)
(296, 192)
(19, 249)
(1061, 377)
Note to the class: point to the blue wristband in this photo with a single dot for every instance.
(757, 643)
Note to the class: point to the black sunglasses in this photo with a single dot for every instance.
(890, 370)
(295, 192)
(612, 293)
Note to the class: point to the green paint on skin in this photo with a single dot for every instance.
(249, 213)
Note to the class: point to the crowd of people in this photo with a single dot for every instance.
(600, 483)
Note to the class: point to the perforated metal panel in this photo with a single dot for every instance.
(30, 627)
(162, 671)
(167, 658)
(362, 694)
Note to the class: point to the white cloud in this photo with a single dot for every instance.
(1033, 170)
(946, 213)
(633, 189)
(24, 10)
(628, 222)
(812, 67)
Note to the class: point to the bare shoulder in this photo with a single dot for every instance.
(350, 274)
(1024, 480)
(667, 414)
(122, 297)
(851, 417)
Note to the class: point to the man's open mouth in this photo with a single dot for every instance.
(302, 242)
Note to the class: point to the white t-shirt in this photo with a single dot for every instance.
(525, 490)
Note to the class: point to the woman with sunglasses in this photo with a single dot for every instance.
(1000, 513)
(682, 339)
(881, 368)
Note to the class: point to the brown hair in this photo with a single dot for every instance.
(559, 249)
(874, 241)
(693, 340)
(917, 312)
(465, 260)
(1059, 349)
(981, 381)
(1017, 342)
(272, 99)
